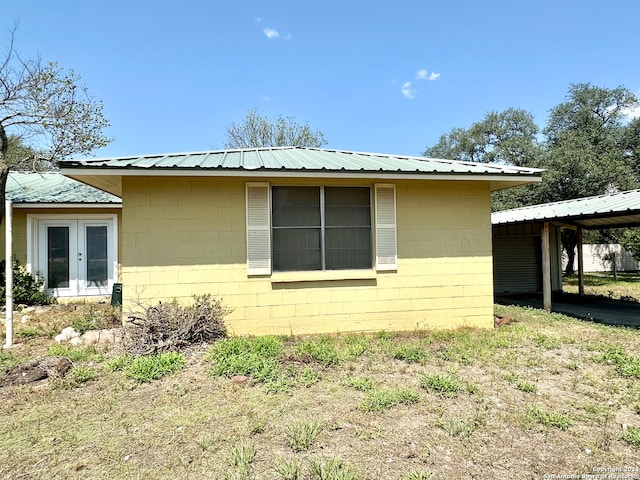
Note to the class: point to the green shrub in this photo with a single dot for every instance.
(27, 289)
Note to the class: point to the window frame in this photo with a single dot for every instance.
(323, 227)
(259, 232)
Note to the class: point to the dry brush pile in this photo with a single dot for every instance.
(172, 327)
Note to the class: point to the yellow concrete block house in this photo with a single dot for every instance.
(303, 240)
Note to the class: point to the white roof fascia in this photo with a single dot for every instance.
(297, 174)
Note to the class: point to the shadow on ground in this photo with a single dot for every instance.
(596, 309)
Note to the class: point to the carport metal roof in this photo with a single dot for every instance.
(602, 211)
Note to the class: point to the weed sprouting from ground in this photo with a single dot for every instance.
(520, 384)
(410, 353)
(356, 345)
(550, 419)
(255, 357)
(632, 435)
(148, 368)
(378, 400)
(443, 384)
(289, 469)
(301, 435)
(322, 349)
(72, 353)
(242, 457)
(360, 383)
(626, 365)
(463, 425)
(331, 469)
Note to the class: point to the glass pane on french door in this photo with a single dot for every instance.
(58, 257)
(96, 256)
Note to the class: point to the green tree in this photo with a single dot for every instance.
(256, 131)
(508, 137)
(589, 147)
(630, 240)
(46, 114)
(588, 150)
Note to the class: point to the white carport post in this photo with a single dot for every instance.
(546, 267)
(8, 256)
(580, 262)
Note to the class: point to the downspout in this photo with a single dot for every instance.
(8, 255)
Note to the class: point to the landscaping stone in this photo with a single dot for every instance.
(112, 335)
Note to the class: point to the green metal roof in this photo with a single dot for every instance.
(602, 211)
(53, 187)
(297, 159)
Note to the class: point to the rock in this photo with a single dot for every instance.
(75, 341)
(113, 335)
(67, 334)
(25, 319)
(48, 367)
(240, 379)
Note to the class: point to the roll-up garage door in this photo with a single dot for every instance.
(517, 264)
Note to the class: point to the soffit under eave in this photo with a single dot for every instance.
(109, 183)
(496, 185)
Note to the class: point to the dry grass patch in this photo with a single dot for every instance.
(465, 409)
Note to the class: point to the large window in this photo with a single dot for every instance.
(327, 228)
(321, 228)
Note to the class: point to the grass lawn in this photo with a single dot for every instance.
(545, 394)
(626, 286)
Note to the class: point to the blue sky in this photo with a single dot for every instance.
(376, 76)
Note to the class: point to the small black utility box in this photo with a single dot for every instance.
(116, 295)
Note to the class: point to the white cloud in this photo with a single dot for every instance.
(434, 76)
(422, 74)
(287, 36)
(258, 19)
(271, 33)
(266, 98)
(407, 91)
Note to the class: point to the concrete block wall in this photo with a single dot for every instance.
(186, 236)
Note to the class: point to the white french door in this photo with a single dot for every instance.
(76, 257)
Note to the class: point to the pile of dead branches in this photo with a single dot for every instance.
(172, 327)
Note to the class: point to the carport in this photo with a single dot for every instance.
(546, 220)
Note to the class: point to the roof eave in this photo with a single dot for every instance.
(498, 180)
